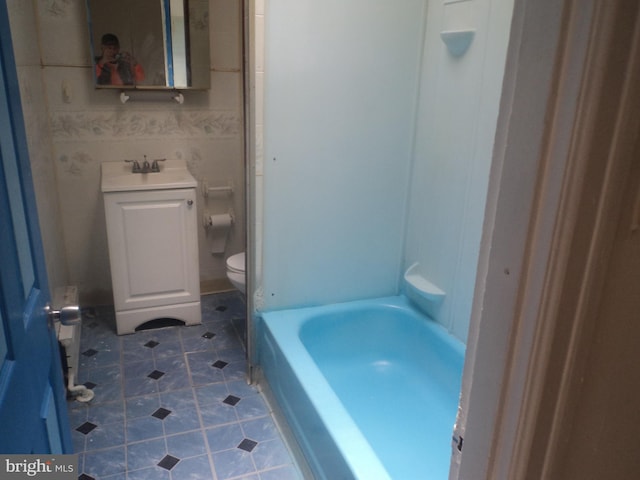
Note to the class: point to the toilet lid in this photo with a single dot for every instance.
(236, 262)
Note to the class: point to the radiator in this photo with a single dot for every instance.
(69, 340)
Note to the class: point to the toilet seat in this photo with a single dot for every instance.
(235, 271)
(236, 263)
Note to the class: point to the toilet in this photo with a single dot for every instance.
(236, 271)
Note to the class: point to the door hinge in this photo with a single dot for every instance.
(457, 442)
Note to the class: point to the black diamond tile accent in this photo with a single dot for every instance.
(89, 353)
(168, 462)
(247, 445)
(84, 476)
(221, 308)
(156, 374)
(151, 344)
(231, 400)
(161, 413)
(86, 427)
(90, 385)
(208, 335)
(220, 364)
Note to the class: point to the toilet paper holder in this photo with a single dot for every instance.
(220, 219)
(218, 228)
(225, 189)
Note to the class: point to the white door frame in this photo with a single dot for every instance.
(542, 193)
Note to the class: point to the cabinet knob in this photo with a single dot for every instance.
(189, 202)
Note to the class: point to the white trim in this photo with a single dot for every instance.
(528, 84)
(516, 321)
(249, 95)
(547, 254)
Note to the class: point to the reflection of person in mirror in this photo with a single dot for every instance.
(114, 67)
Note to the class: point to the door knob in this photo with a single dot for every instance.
(64, 307)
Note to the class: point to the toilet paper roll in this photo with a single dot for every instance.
(219, 226)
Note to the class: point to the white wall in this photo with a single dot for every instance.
(340, 88)
(455, 130)
(341, 112)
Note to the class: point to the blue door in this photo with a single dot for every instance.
(33, 417)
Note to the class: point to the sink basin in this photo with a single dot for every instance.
(117, 177)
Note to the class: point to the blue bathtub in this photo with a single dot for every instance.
(369, 388)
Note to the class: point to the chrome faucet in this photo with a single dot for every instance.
(136, 166)
(154, 166)
(146, 166)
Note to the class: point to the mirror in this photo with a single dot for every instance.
(150, 44)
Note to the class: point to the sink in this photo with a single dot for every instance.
(117, 177)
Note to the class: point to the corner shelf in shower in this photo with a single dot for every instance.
(423, 292)
(457, 41)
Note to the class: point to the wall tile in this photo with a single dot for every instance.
(226, 35)
(226, 91)
(259, 150)
(259, 46)
(65, 32)
(225, 51)
(260, 98)
(34, 108)
(23, 27)
(132, 125)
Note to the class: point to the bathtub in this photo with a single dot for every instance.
(368, 388)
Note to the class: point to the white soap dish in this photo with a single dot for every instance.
(423, 292)
(457, 41)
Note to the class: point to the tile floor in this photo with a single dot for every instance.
(172, 403)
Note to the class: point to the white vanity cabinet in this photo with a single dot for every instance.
(153, 252)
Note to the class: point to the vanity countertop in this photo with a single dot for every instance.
(117, 177)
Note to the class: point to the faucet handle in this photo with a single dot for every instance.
(154, 166)
(136, 165)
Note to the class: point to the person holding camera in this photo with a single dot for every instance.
(114, 67)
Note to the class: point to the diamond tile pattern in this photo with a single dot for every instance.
(168, 462)
(231, 400)
(156, 374)
(161, 413)
(173, 403)
(247, 445)
(220, 364)
(86, 427)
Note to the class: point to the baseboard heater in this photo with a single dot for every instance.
(68, 329)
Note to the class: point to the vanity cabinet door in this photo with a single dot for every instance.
(153, 247)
